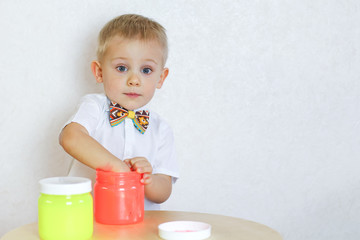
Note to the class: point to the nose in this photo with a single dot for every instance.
(133, 81)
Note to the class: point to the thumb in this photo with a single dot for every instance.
(128, 163)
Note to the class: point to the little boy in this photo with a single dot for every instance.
(116, 131)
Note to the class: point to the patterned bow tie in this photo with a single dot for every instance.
(139, 118)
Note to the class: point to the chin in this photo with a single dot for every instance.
(132, 107)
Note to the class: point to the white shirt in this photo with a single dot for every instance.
(125, 141)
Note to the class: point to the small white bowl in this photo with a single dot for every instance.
(184, 230)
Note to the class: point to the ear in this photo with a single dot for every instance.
(163, 76)
(97, 71)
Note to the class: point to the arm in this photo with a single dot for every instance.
(157, 186)
(77, 142)
(159, 189)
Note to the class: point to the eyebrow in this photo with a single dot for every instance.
(150, 60)
(127, 59)
(122, 58)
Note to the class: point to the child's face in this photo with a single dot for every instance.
(131, 70)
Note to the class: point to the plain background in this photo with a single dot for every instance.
(263, 97)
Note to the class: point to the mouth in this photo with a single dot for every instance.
(132, 95)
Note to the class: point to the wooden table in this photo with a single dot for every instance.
(222, 228)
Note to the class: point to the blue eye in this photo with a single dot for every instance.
(146, 70)
(121, 68)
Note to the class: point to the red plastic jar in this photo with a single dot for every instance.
(118, 198)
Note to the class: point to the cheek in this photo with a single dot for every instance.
(112, 83)
(107, 86)
(150, 89)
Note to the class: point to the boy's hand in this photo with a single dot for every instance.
(120, 166)
(141, 165)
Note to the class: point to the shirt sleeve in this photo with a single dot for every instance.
(165, 162)
(87, 114)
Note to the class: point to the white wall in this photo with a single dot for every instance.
(269, 92)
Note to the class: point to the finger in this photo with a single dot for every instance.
(135, 160)
(147, 179)
(132, 163)
(141, 165)
(127, 161)
(143, 169)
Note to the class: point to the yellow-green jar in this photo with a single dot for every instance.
(65, 209)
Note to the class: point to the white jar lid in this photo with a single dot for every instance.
(180, 230)
(65, 185)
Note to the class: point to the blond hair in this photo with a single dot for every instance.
(132, 26)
